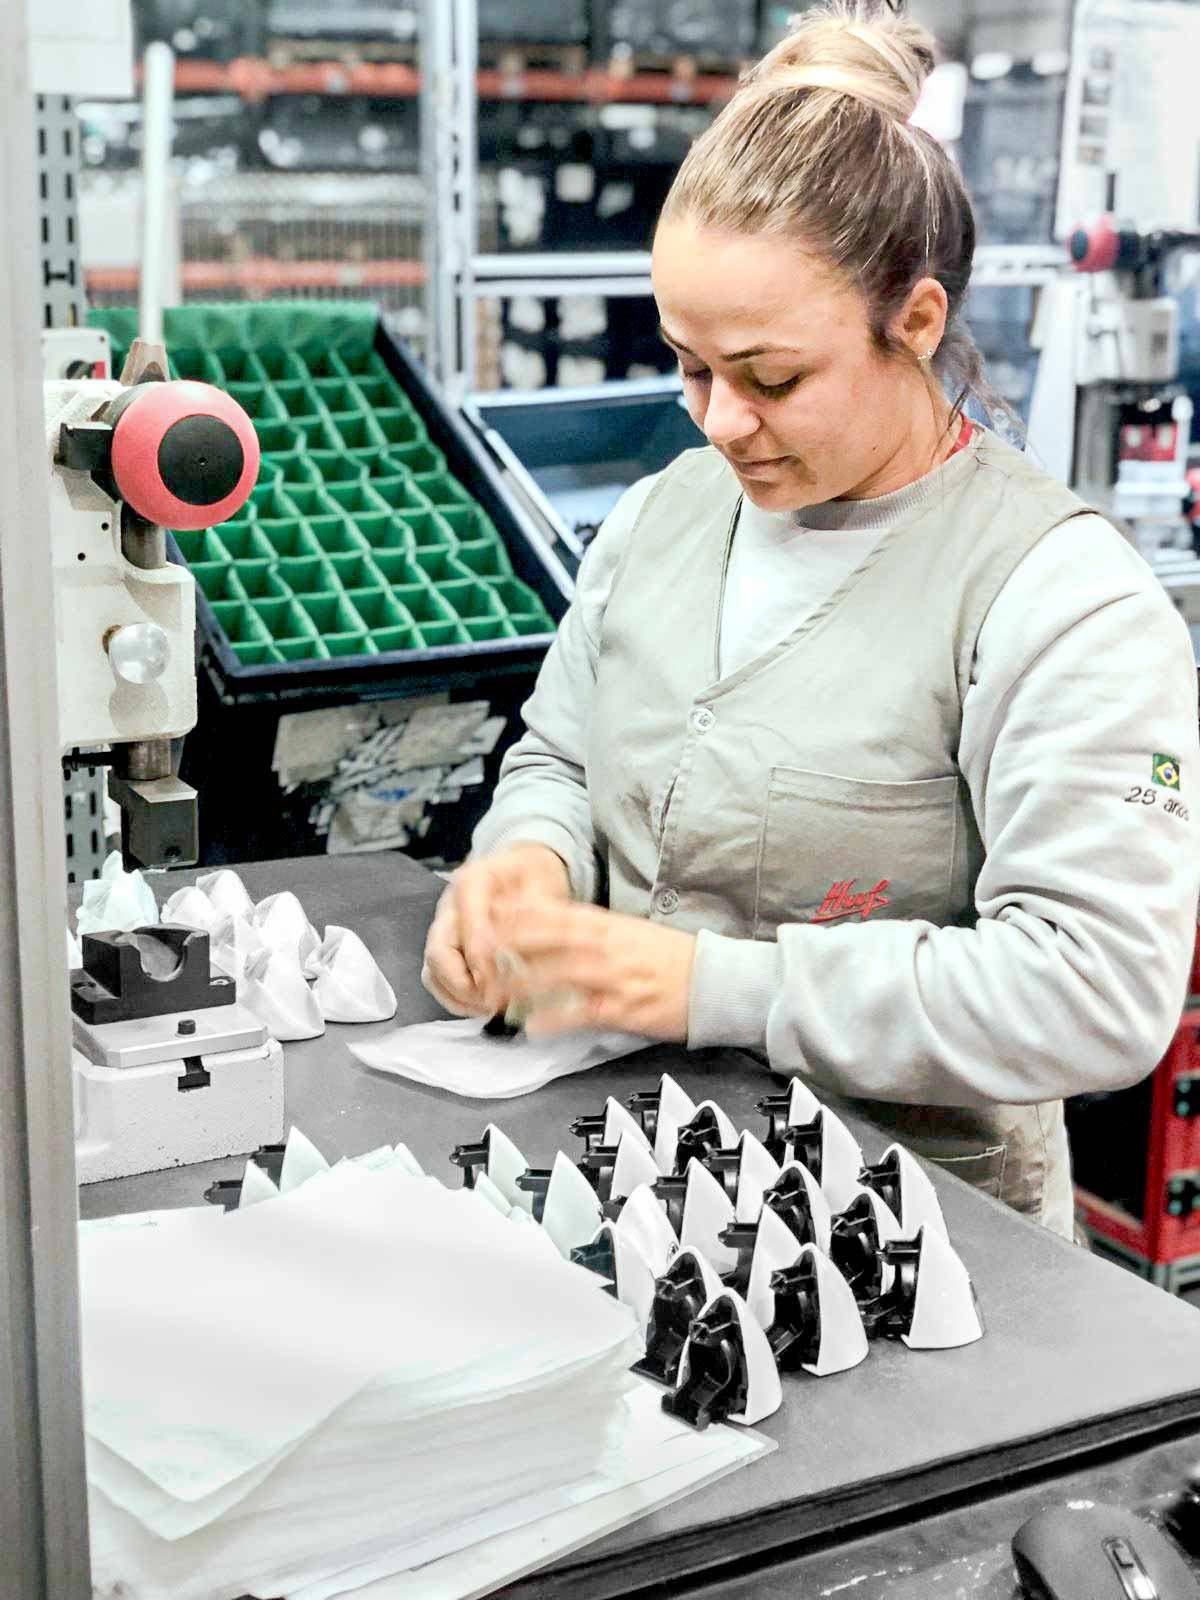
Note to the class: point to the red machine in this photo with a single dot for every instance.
(1137, 1162)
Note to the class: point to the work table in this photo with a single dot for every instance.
(903, 1478)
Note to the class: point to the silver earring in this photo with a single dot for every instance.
(928, 356)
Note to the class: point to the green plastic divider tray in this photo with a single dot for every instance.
(484, 559)
(307, 576)
(288, 537)
(259, 401)
(470, 525)
(204, 546)
(283, 619)
(356, 571)
(414, 458)
(430, 531)
(471, 601)
(334, 535)
(378, 608)
(440, 566)
(518, 599)
(334, 466)
(239, 622)
(440, 489)
(398, 568)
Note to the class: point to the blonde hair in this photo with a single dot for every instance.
(816, 146)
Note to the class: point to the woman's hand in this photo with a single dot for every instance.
(460, 952)
(584, 967)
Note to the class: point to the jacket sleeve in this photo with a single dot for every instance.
(1074, 976)
(542, 797)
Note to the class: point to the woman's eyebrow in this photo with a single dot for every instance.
(736, 355)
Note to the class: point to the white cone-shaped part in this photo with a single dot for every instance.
(505, 1164)
(644, 1221)
(775, 1246)
(350, 986)
(764, 1393)
(635, 1164)
(283, 924)
(757, 1171)
(674, 1109)
(946, 1313)
(231, 944)
(726, 1129)
(487, 1190)
(634, 1278)
(273, 988)
(226, 891)
(707, 1210)
(301, 1161)
(74, 952)
(618, 1119)
(841, 1161)
(817, 1204)
(887, 1226)
(256, 1186)
(405, 1158)
(708, 1274)
(572, 1211)
(919, 1204)
(116, 902)
(843, 1338)
(803, 1104)
(191, 908)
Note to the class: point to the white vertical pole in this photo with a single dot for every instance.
(43, 1499)
(159, 283)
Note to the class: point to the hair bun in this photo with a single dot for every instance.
(852, 47)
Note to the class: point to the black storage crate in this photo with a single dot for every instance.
(228, 756)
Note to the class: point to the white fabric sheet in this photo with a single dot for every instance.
(459, 1057)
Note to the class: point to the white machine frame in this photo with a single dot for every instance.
(43, 1495)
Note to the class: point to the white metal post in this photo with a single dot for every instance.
(43, 1498)
(449, 157)
(159, 283)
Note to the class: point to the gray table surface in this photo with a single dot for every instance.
(1079, 1355)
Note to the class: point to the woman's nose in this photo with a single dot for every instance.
(728, 417)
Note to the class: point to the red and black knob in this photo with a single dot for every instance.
(183, 455)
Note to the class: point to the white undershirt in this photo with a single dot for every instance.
(784, 564)
(779, 573)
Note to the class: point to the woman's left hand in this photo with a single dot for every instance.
(584, 967)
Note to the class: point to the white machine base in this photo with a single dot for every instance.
(137, 1119)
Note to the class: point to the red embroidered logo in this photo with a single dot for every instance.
(841, 901)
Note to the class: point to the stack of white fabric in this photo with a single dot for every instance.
(361, 1376)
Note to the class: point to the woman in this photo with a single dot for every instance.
(865, 744)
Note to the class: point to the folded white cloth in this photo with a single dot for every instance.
(231, 944)
(226, 891)
(74, 951)
(117, 901)
(459, 1057)
(350, 986)
(273, 988)
(282, 922)
(191, 908)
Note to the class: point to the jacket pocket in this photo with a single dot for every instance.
(843, 850)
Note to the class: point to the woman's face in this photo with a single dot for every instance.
(780, 370)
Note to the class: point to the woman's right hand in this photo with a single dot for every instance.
(459, 969)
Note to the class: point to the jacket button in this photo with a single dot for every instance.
(666, 901)
(703, 719)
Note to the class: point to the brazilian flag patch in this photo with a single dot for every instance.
(1165, 771)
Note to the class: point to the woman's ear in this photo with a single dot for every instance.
(920, 324)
